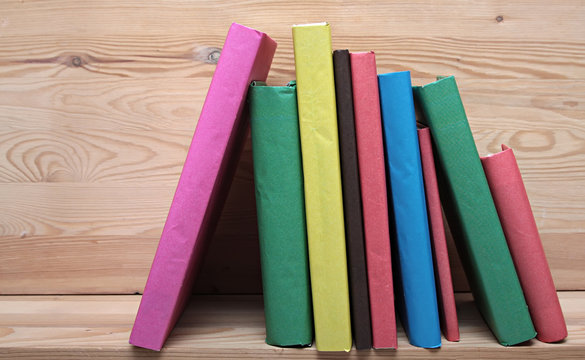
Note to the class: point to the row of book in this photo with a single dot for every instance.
(349, 205)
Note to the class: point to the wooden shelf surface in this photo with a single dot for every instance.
(99, 101)
(228, 326)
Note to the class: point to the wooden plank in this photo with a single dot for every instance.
(85, 239)
(66, 183)
(564, 253)
(192, 55)
(75, 265)
(69, 209)
(72, 141)
(74, 209)
(123, 56)
(223, 326)
(71, 182)
(76, 212)
(499, 19)
(98, 103)
(175, 104)
(106, 104)
(51, 157)
(120, 264)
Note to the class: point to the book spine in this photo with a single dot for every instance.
(417, 298)
(511, 201)
(278, 179)
(445, 295)
(352, 203)
(323, 196)
(471, 214)
(370, 147)
(203, 185)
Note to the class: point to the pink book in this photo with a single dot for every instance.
(203, 185)
(445, 295)
(519, 226)
(370, 148)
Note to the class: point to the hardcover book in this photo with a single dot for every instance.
(511, 201)
(323, 195)
(203, 185)
(370, 147)
(472, 216)
(413, 264)
(443, 281)
(352, 203)
(278, 180)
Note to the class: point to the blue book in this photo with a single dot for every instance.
(416, 298)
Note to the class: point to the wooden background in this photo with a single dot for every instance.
(99, 101)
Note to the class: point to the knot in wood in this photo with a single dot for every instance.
(213, 56)
(76, 61)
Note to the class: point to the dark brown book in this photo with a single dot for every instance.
(352, 203)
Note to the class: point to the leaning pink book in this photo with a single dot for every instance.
(207, 173)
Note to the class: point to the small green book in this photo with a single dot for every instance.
(280, 204)
(472, 216)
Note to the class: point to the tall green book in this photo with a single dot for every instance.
(472, 216)
(278, 177)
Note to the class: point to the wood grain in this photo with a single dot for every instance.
(99, 101)
(56, 201)
(92, 157)
(175, 103)
(192, 56)
(61, 327)
(63, 180)
(119, 265)
(528, 19)
(107, 104)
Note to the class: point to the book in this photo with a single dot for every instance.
(278, 180)
(205, 179)
(472, 217)
(370, 151)
(322, 178)
(513, 207)
(443, 281)
(352, 203)
(413, 264)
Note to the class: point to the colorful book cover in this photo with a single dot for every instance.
(511, 201)
(278, 179)
(472, 216)
(214, 152)
(352, 203)
(370, 150)
(413, 262)
(443, 281)
(323, 195)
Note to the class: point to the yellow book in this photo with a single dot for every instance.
(322, 175)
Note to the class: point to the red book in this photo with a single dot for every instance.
(203, 185)
(445, 295)
(370, 148)
(519, 226)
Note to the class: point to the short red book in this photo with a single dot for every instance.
(445, 295)
(521, 232)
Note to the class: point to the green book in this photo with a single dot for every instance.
(472, 216)
(280, 204)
